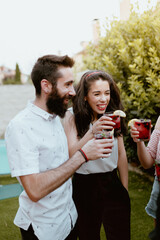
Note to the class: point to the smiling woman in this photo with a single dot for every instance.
(98, 97)
(100, 194)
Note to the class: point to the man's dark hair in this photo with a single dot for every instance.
(47, 67)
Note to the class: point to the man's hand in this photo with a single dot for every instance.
(98, 148)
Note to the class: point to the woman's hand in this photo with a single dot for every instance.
(134, 134)
(103, 123)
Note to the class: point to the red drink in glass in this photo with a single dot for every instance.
(144, 128)
(116, 119)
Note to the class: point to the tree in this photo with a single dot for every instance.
(17, 75)
(130, 52)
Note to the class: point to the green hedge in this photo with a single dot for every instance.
(130, 52)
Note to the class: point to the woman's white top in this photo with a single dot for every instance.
(102, 164)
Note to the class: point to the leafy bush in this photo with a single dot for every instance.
(130, 52)
(13, 78)
(9, 81)
(17, 75)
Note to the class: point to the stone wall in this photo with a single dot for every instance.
(13, 98)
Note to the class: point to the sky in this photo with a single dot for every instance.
(33, 28)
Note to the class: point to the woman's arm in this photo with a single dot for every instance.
(122, 163)
(71, 132)
(70, 129)
(143, 152)
(143, 155)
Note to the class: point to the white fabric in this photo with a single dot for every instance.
(36, 142)
(102, 164)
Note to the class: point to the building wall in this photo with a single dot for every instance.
(96, 31)
(124, 9)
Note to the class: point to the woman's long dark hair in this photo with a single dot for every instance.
(82, 111)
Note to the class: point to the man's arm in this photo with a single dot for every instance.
(39, 185)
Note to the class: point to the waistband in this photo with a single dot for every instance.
(104, 175)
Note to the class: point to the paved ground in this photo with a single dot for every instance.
(13, 98)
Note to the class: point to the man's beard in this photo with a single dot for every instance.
(55, 103)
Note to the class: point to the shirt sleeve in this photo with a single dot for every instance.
(22, 152)
(152, 146)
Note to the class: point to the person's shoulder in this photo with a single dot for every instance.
(19, 119)
(70, 110)
(21, 115)
(69, 114)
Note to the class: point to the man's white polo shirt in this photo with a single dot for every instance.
(36, 142)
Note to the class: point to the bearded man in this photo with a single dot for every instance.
(38, 154)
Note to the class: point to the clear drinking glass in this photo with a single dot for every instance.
(104, 135)
(144, 128)
(116, 119)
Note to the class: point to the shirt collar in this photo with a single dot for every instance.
(40, 111)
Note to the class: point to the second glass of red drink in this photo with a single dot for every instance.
(144, 128)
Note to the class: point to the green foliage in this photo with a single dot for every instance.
(130, 52)
(7, 179)
(17, 75)
(13, 79)
(9, 81)
(139, 191)
(8, 230)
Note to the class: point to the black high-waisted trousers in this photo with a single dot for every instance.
(100, 198)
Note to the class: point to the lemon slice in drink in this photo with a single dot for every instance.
(132, 121)
(112, 132)
(119, 113)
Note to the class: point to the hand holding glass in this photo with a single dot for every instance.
(115, 118)
(144, 128)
